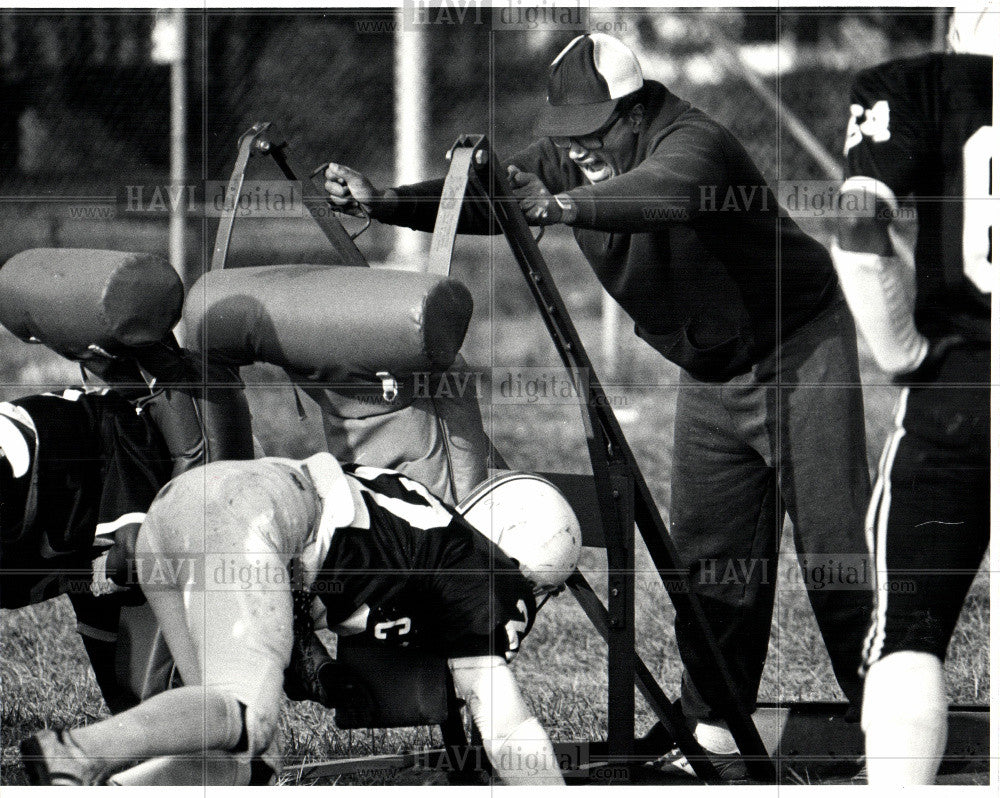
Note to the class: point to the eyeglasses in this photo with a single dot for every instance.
(592, 141)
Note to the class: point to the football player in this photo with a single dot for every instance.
(920, 136)
(77, 472)
(387, 559)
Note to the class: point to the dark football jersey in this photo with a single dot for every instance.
(95, 470)
(429, 578)
(922, 127)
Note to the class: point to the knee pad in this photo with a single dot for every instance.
(906, 687)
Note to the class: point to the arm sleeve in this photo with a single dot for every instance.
(880, 294)
(416, 205)
(670, 185)
(517, 746)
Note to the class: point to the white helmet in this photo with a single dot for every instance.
(531, 522)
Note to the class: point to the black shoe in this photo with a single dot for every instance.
(730, 767)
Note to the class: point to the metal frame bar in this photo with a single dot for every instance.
(622, 491)
(810, 736)
(264, 139)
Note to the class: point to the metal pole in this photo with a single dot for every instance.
(412, 103)
(178, 147)
(178, 156)
(610, 319)
(727, 53)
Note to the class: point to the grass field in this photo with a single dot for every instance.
(45, 681)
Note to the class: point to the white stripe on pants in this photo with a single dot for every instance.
(876, 526)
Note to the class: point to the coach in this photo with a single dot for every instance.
(680, 227)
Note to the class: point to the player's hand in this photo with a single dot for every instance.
(537, 202)
(121, 557)
(349, 190)
(929, 367)
(113, 567)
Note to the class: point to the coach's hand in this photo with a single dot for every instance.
(349, 190)
(537, 202)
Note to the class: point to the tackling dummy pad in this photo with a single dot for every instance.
(73, 300)
(372, 347)
(330, 324)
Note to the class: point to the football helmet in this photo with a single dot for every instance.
(531, 522)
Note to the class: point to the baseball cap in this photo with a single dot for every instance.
(586, 80)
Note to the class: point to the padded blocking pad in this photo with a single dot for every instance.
(409, 686)
(71, 298)
(329, 323)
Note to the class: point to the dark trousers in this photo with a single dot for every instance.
(789, 436)
(930, 513)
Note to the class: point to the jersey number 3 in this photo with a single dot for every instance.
(977, 216)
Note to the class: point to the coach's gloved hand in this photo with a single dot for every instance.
(929, 367)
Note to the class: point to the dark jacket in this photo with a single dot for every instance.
(690, 240)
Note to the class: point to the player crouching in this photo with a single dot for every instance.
(385, 557)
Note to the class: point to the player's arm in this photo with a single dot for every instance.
(877, 279)
(518, 747)
(884, 149)
(138, 467)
